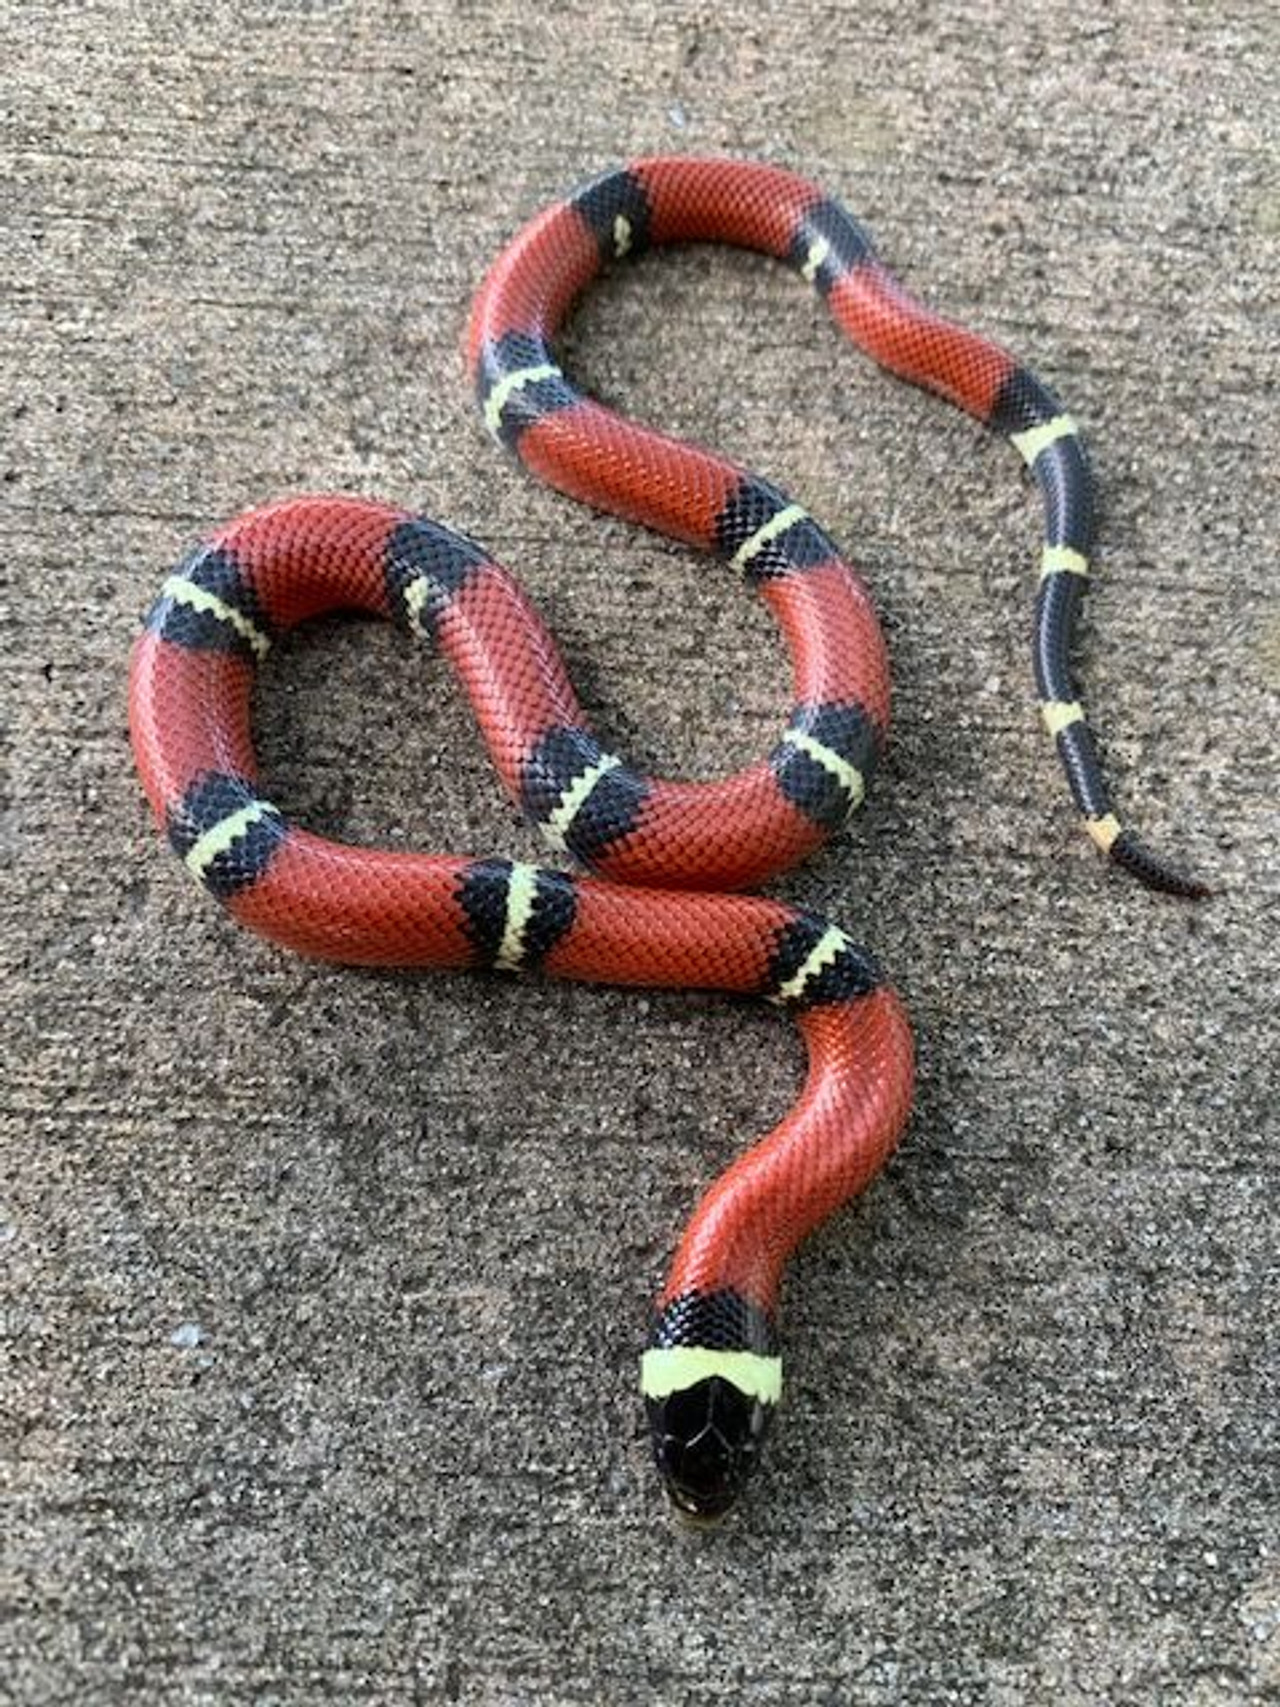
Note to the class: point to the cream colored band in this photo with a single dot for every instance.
(670, 1369)
(557, 826)
(1060, 559)
(1060, 714)
(819, 249)
(416, 594)
(786, 518)
(848, 775)
(1036, 439)
(829, 945)
(220, 836)
(522, 890)
(508, 385)
(1103, 830)
(184, 592)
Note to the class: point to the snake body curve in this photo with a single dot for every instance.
(658, 912)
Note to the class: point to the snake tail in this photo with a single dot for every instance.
(691, 494)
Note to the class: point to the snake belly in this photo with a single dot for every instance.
(666, 855)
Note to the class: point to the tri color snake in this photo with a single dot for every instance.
(658, 913)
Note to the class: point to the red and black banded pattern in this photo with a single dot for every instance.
(690, 494)
(661, 912)
(193, 675)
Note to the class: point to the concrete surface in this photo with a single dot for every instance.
(324, 1291)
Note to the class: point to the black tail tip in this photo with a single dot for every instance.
(1153, 872)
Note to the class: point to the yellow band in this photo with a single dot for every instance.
(1060, 714)
(849, 775)
(184, 592)
(1103, 830)
(1036, 439)
(510, 383)
(1060, 559)
(829, 946)
(416, 594)
(574, 798)
(220, 836)
(670, 1369)
(752, 547)
(819, 249)
(522, 891)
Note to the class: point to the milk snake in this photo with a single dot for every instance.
(659, 912)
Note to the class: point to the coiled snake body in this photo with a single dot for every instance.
(666, 854)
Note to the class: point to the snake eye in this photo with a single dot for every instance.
(706, 1440)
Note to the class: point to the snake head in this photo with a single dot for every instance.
(711, 1380)
(706, 1442)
